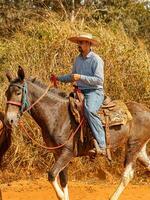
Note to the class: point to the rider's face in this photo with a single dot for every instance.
(83, 46)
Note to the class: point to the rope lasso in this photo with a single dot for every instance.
(71, 135)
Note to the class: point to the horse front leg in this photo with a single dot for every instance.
(58, 190)
(60, 164)
(63, 175)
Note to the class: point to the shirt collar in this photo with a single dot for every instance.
(88, 55)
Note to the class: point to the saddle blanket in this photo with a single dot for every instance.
(117, 115)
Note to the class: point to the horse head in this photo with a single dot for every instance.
(16, 95)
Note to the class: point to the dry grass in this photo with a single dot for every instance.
(42, 48)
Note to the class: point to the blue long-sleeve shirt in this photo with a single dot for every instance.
(91, 69)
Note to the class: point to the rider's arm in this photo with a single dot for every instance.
(98, 74)
(67, 77)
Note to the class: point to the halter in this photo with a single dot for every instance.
(24, 104)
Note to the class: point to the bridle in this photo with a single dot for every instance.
(25, 107)
(24, 103)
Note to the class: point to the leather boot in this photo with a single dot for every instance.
(97, 150)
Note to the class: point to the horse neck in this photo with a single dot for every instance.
(46, 107)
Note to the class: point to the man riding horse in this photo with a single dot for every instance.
(51, 113)
(88, 72)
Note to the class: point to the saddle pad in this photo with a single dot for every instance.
(119, 114)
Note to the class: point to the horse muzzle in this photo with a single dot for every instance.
(11, 119)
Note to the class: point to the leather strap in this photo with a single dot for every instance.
(107, 132)
(14, 103)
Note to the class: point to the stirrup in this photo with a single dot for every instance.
(97, 150)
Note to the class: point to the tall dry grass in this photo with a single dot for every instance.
(42, 48)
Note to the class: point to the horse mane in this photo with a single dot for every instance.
(53, 90)
(37, 82)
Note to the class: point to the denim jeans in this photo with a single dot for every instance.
(93, 101)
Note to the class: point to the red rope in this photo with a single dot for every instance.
(54, 80)
(72, 134)
(76, 89)
(14, 103)
(39, 99)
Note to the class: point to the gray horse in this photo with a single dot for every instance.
(53, 115)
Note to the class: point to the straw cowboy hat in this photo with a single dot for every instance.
(84, 37)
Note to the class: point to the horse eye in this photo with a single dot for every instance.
(18, 93)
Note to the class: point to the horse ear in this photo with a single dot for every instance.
(21, 73)
(33, 79)
(8, 75)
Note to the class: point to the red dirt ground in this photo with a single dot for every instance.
(41, 189)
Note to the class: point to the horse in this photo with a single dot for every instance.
(5, 139)
(53, 115)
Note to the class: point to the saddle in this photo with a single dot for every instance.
(111, 113)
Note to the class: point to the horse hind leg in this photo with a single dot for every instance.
(129, 168)
(126, 178)
(132, 150)
(60, 164)
(143, 157)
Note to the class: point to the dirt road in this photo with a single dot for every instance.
(40, 189)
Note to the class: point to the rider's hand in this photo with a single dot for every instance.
(54, 79)
(76, 77)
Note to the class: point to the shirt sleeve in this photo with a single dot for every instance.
(98, 74)
(74, 69)
(65, 78)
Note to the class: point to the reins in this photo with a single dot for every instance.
(14, 103)
(71, 135)
(29, 108)
(19, 104)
